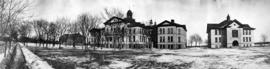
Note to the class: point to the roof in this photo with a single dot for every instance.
(119, 20)
(132, 22)
(96, 29)
(226, 23)
(172, 23)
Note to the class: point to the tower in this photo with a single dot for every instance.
(228, 17)
(129, 14)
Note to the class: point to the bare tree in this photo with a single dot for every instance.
(195, 38)
(87, 22)
(113, 12)
(52, 33)
(11, 12)
(24, 31)
(63, 26)
(40, 28)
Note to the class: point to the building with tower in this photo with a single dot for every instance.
(230, 33)
(128, 33)
(125, 33)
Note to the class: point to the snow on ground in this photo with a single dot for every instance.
(1, 51)
(119, 64)
(225, 58)
(33, 60)
(1, 57)
(192, 58)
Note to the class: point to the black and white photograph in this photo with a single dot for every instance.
(134, 34)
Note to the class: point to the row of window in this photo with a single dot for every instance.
(246, 39)
(218, 39)
(169, 31)
(246, 32)
(162, 39)
(131, 39)
(218, 32)
(234, 32)
(130, 31)
(170, 46)
(247, 45)
(170, 39)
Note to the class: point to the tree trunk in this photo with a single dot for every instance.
(74, 45)
(6, 44)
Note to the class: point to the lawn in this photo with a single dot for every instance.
(191, 58)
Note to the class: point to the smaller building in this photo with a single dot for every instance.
(230, 33)
(171, 35)
(72, 39)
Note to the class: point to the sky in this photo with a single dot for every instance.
(195, 14)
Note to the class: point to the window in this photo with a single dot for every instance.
(169, 39)
(234, 33)
(219, 39)
(134, 38)
(179, 31)
(160, 39)
(244, 31)
(171, 30)
(163, 38)
(179, 39)
(249, 32)
(243, 39)
(246, 39)
(168, 30)
(249, 39)
(216, 32)
(216, 39)
(163, 30)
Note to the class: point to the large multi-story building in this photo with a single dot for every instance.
(127, 33)
(171, 35)
(230, 33)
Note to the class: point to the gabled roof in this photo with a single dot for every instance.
(132, 22)
(136, 24)
(117, 18)
(226, 23)
(172, 23)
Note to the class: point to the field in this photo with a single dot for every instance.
(191, 58)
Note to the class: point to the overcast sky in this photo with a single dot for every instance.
(195, 14)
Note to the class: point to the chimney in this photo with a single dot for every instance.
(172, 21)
(151, 22)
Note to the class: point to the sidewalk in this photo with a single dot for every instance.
(14, 60)
(1, 57)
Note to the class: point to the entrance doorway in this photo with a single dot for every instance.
(235, 43)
